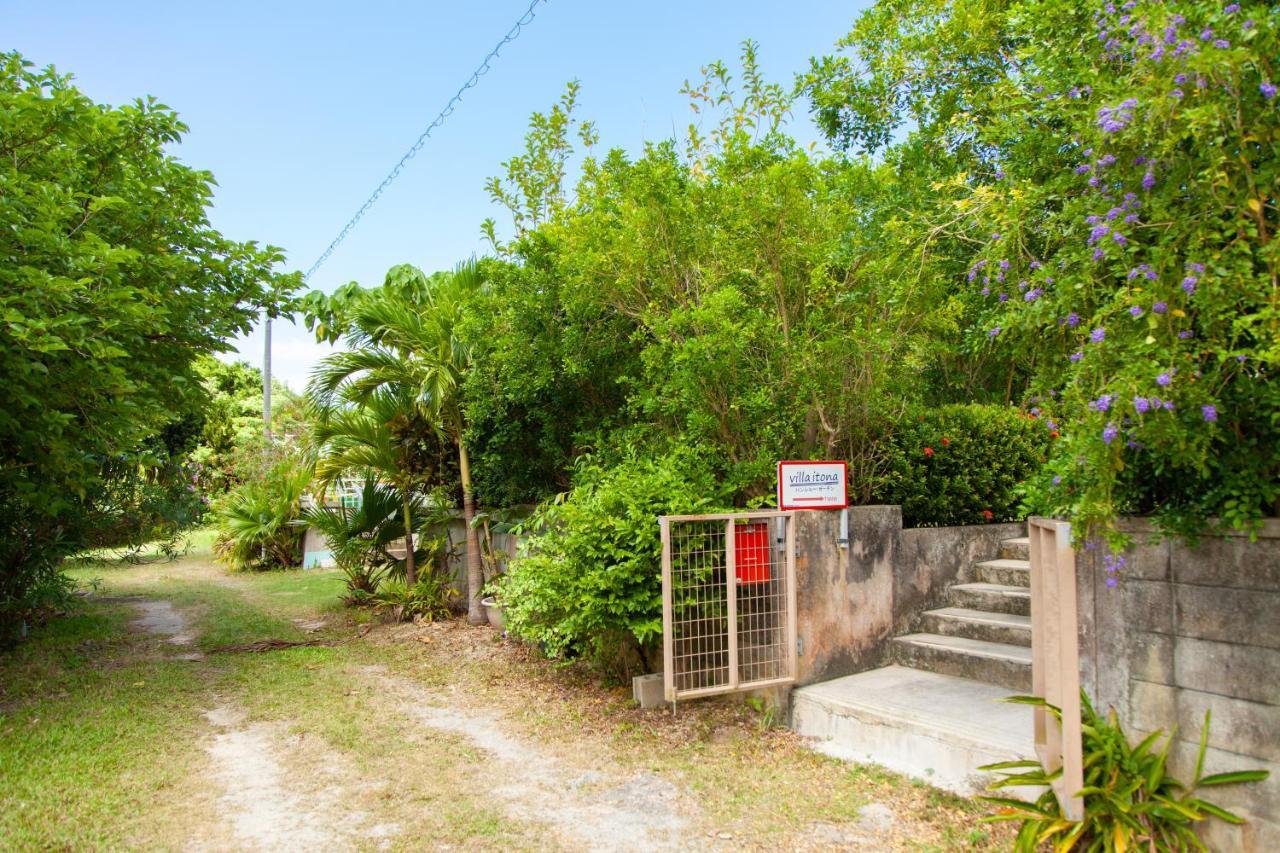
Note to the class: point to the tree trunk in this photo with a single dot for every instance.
(475, 569)
(410, 570)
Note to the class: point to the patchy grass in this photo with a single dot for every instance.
(105, 739)
(751, 781)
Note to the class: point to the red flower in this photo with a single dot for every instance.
(928, 451)
(1053, 434)
(988, 514)
(946, 442)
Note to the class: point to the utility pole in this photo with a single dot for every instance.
(266, 374)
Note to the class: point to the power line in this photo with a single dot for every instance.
(481, 70)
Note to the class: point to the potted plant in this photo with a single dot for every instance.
(492, 607)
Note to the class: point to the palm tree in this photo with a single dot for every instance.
(405, 342)
(358, 435)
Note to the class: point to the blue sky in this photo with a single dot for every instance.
(300, 109)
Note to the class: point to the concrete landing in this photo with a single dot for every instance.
(938, 728)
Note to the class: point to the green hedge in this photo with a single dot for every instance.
(963, 464)
(591, 585)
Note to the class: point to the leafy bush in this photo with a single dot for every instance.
(430, 598)
(359, 536)
(963, 464)
(255, 520)
(1130, 800)
(114, 283)
(591, 585)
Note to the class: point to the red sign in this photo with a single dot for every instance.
(751, 552)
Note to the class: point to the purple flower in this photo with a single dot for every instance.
(1167, 405)
(1057, 481)
(1119, 238)
(1098, 335)
(1098, 254)
(1176, 93)
(1195, 267)
(1241, 358)
(1135, 311)
(1004, 297)
(1076, 356)
(1073, 319)
(1149, 180)
(1164, 379)
(1206, 34)
(1186, 335)
(1160, 308)
(1109, 433)
(1221, 44)
(1106, 159)
(1112, 582)
(1180, 79)
(1004, 265)
(1231, 9)
(1189, 284)
(1247, 25)
(1209, 413)
(1033, 294)
(999, 174)
(1268, 89)
(986, 291)
(994, 332)
(995, 236)
(1102, 404)
(1083, 169)
(1035, 265)
(1141, 405)
(1098, 232)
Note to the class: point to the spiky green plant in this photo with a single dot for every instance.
(254, 520)
(360, 536)
(1130, 800)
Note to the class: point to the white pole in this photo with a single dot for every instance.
(266, 376)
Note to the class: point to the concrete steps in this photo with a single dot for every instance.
(1016, 549)
(1001, 664)
(1005, 572)
(993, 597)
(978, 625)
(986, 632)
(932, 726)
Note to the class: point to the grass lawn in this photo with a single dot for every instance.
(398, 737)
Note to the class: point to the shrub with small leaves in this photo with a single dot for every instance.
(963, 464)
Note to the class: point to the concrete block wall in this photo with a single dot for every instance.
(1191, 629)
(851, 601)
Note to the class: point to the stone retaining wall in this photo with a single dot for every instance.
(1189, 630)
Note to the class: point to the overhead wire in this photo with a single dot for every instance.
(481, 70)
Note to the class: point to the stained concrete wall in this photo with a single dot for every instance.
(851, 601)
(1191, 629)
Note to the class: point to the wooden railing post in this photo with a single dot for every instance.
(1055, 658)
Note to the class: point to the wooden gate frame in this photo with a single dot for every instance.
(735, 684)
(1055, 658)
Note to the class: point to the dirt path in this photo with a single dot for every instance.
(273, 809)
(435, 735)
(588, 809)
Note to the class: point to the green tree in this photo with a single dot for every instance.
(1115, 203)
(115, 284)
(406, 345)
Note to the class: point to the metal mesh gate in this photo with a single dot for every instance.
(728, 602)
